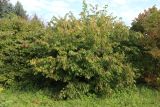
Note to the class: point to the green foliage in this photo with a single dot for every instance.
(84, 54)
(18, 43)
(1, 89)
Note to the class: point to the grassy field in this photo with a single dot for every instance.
(138, 97)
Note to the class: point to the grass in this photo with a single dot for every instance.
(138, 97)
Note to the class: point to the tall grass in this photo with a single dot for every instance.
(137, 97)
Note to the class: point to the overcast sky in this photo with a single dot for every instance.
(126, 9)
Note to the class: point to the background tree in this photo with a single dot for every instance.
(19, 11)
(35, 17)
(148, 23)
(5, 8)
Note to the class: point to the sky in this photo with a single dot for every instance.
(125, 9)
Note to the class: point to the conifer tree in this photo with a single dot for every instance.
(19, 10)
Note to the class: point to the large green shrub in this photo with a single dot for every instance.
(85, 54)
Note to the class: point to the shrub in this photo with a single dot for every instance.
(19, 42)
(85, 54)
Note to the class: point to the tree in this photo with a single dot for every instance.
(5, 8)
(148, 23)
(35, 17)
(19, 11)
